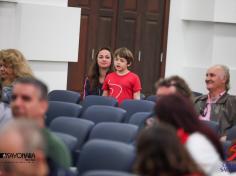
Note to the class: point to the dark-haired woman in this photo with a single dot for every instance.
(160, 153)
(204, 146)
(100, 67)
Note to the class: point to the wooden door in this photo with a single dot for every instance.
(128, 27)
(135, 24)
(150, 44)
(98, 29)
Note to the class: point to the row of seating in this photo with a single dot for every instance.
(74, 132)
(98, 112)
(75, 97)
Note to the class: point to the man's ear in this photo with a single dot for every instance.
(129, 64)
(44, 106)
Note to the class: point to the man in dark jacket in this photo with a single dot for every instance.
(218, 105)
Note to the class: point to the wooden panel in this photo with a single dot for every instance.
(149, 67)
(107, 4)
(79, 3)
(127, 34)
(75, 71)
(128, 26)
(150, 45)
(130, 5)
(153, 6)
(105, 32)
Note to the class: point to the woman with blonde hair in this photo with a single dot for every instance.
(13, 65)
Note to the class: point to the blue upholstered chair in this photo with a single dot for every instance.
(106, 155)
(64, 96)
(114, 131)
(57, 109)
(102, 113)
(133, 106)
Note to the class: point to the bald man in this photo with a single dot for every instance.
(217, 105)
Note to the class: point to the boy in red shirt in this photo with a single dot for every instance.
(122, 84)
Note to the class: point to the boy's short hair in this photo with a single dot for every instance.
(124, 53)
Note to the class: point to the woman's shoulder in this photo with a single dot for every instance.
(197, 137)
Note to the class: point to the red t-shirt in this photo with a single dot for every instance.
(122, 87)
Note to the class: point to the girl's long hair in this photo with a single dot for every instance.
(179, 112)
(160, 152)
(93, 73)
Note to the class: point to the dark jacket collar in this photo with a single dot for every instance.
(221, 100)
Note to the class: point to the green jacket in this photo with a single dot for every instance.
(223, 111)
(56, 149)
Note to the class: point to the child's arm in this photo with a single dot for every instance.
(136, 95)
(105, 93)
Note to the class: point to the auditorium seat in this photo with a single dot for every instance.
(106, 155)
(102, 113)
(152, 98)
(98, 100)
(133, 106)
(107, 173)
(65, 96)
(120, 132)
(139, 118)
(57, 109)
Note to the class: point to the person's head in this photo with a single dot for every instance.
(103, 61)
(13, 65)
(218, 78)
(179, 112)
(173, 84)
(164, 87)
(21, 137)
(29, 99)
(160, 152)
(123, 58)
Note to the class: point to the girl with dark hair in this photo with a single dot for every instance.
(202, 144)
(100, 67)
(160, 152)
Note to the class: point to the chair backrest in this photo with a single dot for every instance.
(231, 133)
(107, 173)
(79, 128)
(98, 100)
(114, 131)
(102, 113)
(133, 106)
(152, 98)
(57, 109)
(196, 94)
(139, 118)
(106, 155)
(64, 95)
(214, 126)
(69, 140)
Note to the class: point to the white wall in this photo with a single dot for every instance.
(201, 34)
(54, 74)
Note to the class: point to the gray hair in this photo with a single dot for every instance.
(29, 133)
(226, 75)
